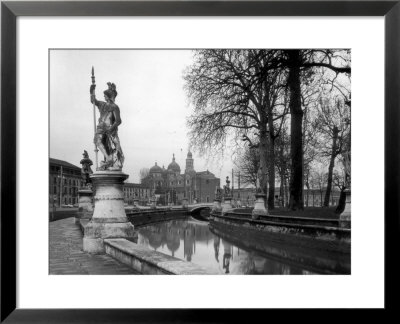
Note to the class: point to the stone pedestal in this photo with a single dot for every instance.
(185, 203)
(109, 219)
(217, 206)
(227, 204)
(85, 205)
(153, 203)
(259, 207)
(345, 217)
(135, 202)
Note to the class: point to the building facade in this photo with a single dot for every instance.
(136, 191)
(64, 182)
(171, 186)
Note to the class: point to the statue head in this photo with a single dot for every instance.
(111, 92)
(85, 154)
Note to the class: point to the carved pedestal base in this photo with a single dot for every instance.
(85, 205)
(217, 206)
(345, 217)
(259, 207)
(109, 219)
(227, 204)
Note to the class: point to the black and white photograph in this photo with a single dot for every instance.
(200, 161)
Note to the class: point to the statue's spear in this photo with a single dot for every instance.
(94, 120)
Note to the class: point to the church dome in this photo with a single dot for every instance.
(173, 166)
(189, 155)
(155, 169)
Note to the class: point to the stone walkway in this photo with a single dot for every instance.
(67, 257)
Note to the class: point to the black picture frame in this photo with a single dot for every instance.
(10, 10)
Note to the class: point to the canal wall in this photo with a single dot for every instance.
(324, 257)
(145, 217)
(320, 230)
(146, 261)
(141, 258)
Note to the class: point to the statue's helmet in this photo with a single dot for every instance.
(111, 92)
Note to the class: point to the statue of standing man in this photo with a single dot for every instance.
(106, 136)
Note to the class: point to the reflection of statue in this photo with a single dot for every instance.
(86, 169)
(106, 137)
(216, 247)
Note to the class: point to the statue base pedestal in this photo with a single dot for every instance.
(85, 205)
(185, 203)
(345, 217)
(135, 202)
(217, 206)
(227, 204)
(259, 207)
(109, 219)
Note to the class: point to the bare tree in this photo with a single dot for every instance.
(247, 163)
(233, 93)
(333, 124)
(298, 62)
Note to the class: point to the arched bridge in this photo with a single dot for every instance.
(200, 211)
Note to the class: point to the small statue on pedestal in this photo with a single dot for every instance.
(86, 170)
(227, 190)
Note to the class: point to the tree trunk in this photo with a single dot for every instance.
(296, 139)
(263, 146)
(271, 172)
(342, 202)
(331, 165)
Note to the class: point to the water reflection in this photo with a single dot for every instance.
(193, 241)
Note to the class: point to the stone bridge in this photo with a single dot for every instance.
(198, 210)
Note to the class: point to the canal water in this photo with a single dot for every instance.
(197, 242)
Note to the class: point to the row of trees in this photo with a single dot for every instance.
(290, 107)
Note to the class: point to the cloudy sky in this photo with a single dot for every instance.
(152, 102)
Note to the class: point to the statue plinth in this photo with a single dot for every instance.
(109, 219)
(227, 204)
(185, 203)
(85, 205)
(259, 206)
(217, 206)
(345, 217)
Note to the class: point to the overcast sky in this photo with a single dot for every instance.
(151, 99)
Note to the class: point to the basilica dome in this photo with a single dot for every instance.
(173, 166)
(155, 169)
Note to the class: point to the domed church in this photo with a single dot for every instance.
(171, 186)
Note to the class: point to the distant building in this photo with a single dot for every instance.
(312, 197)
(246, 196)
(137, 191)
(64, 182)
(171, 186)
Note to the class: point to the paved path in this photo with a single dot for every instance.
(67, 257)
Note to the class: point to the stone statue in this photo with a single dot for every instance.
(106, 136)
(218, 194)
(86, 169)
(227, 190)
